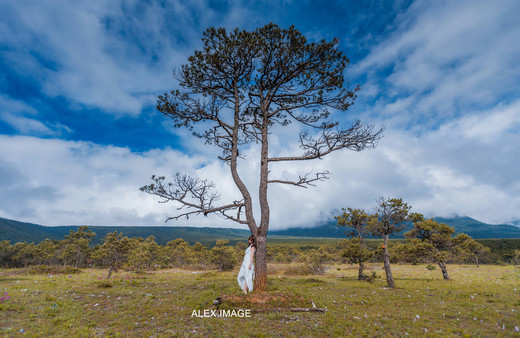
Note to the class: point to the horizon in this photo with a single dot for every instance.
(237, 227)
(80, 134)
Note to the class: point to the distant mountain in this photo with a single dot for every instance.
(327, 229)
(515, 223)
(480, 230)
(467, 225)
(15, 231)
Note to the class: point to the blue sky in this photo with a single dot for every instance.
(79, 133)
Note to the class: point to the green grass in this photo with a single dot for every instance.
(481, 301)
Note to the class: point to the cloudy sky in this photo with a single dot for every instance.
(79, 133)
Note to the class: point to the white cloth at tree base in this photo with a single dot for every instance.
(246, 275)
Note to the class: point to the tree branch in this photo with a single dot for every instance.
(304, 181)
(233, 218)
(193, 194)
(358, 137)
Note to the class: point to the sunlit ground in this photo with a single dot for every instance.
(476, 301)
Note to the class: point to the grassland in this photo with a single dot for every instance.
(481, 301)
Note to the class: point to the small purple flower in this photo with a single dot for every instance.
(5, 294)
(2, 298)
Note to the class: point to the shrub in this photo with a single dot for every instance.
(298, 270)
(500, 262)
(370, 277)
(52, 269)
(431, 267)
(223, 256)
(105, 284)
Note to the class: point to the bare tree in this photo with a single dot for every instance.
(235, 90)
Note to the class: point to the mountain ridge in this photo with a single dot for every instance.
(15, 231)
(462, 224)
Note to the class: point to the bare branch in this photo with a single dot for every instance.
(358, 137)
(234, 218)
(304, 181)
(194, 194)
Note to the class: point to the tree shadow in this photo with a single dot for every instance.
(423, 279)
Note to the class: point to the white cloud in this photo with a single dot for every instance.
(84, 183)
(498, 124)
(25, 125)
(78, 56)
(23, 118)
(446, 58)
(468, 165)
(443, 172)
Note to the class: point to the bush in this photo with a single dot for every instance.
(315, 259)
(105, 284)
(52, 270)
(298, 270)
(370, 277)
(431, 267)
(500, 262)
(223, 256)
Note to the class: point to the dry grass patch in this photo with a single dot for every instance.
(481, 301)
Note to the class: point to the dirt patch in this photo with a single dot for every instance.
(256, 300)
(259, 298)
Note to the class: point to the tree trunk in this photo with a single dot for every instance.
(110, 271)
(260, 264)
(261, 234)
(77, 259)
(386, 261)
(442, 265)
(360, 271)
(476, 261)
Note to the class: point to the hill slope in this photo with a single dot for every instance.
(467, 225)
(15, 231)
(481, 230)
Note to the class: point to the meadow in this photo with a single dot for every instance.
(481, 301)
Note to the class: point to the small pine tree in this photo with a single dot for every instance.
(355, 250)
(434, 242)
(391, 217)
(114, 251)
(466, 248)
